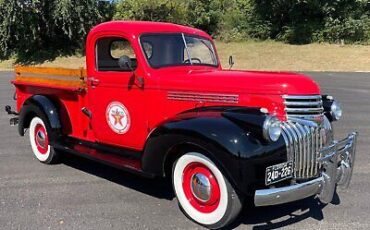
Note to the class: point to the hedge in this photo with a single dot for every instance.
(34, 27)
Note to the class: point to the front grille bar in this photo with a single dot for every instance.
(302, 103)
(304, 110)
(303, 106)
(302, 97)
(303, 142)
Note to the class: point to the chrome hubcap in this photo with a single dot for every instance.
(200, 187)
(40, 137)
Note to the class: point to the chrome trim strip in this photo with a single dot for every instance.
(301, 97)
(304, 152)
(289, 140)
(302, 160)
(311, 157)
(302, 110)
(205, 97)
(313, 149)
(303, 103)
(287, 144)
(317, 143)
(308, 117)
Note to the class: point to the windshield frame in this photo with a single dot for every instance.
(183, 35)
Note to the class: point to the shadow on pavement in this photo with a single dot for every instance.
(156, 187)
(273, 217)
(258, 218)
(282, 215)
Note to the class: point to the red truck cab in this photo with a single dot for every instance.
(155, 100)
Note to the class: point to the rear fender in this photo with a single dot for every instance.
(34, 106)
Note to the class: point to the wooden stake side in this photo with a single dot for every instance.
(56, 77)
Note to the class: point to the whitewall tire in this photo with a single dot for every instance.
(40, 141)
(203, 193)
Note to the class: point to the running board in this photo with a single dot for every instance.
(115, 160)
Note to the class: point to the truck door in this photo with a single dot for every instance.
(115, 101)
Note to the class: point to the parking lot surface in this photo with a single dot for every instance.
(81, 194)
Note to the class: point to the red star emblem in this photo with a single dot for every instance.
(117, 117)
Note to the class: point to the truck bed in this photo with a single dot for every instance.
(65, 87)
(68, 79)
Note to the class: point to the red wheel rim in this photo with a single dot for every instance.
(41, 139)
(204, 206)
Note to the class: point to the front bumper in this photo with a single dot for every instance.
(338, 161)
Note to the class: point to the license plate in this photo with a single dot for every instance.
(279, 172)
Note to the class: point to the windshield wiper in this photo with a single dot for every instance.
(186, 48)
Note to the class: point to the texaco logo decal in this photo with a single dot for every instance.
(118, 117)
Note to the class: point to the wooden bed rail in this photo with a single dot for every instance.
(51, 77)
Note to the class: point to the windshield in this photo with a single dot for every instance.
(177, 49)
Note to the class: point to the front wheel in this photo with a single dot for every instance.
(39, 139)
(204, 194)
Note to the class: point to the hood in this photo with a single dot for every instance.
(253, 88)
(254, 82)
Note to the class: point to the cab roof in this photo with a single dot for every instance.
(138, 28)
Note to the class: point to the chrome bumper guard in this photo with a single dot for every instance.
(337, 161)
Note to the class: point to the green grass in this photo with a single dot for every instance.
(267, 55)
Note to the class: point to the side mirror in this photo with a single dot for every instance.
(231, 61)
(124, 62)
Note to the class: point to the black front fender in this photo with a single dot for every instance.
(229, 136)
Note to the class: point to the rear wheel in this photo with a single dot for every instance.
(39, 139)
(203, 193)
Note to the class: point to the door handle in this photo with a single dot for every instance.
(94, 81)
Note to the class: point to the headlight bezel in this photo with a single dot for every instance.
(330, 106)
(336, 110)
(272, 129)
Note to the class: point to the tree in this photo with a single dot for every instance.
(149, 10)
(30, 26)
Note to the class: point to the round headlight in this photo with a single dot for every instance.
(336, 110)
(271, 129)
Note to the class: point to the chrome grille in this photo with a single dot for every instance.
(303, 140)
(306, 107)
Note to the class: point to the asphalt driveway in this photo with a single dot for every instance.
(81, 194)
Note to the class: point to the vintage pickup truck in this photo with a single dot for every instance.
(155, 100)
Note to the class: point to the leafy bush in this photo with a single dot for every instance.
(350, 30)
(34, 27)
(28, 27)
(203, 14)
(346, 20)
(292, 21)
(149, 10)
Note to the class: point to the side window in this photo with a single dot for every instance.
(109, 50)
